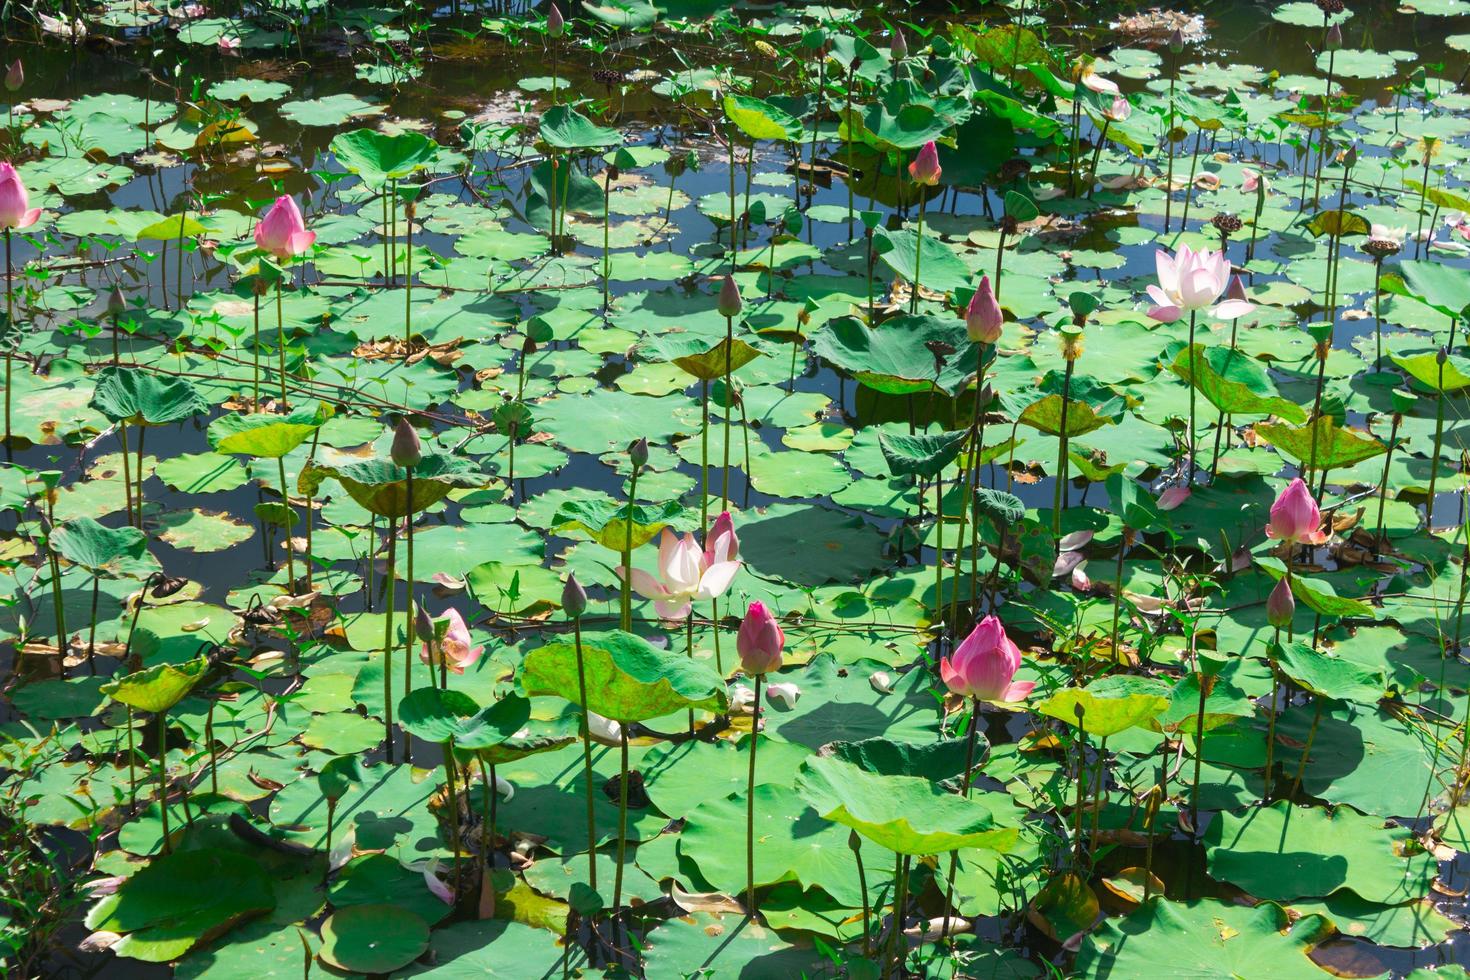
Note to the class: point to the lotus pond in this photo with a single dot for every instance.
(672, 489)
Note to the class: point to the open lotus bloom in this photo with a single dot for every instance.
(1253, 180)
(684, 575)
(1295, 516)
(15, 203)
(1383, 233)
(453, 649)
(1190, 281)
(1094, 82)
(282, 232)
(984, 665)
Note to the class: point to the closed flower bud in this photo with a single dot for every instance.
(117, 303)
(1334, 38)
(1280, 606)
(983, 318)
(729, 304)
(406, 450)
(15, 76)
(423, 625)
(1176, 41)
(759, 641)
(638, 453)
(898, 45)
(555, 22)
(574, 597)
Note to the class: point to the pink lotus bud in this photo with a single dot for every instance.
(117, 303)
(925, 169)
(983, 317)
(984, 665)
(721, 543)
(1334, 38)
(1236, 290)
(282, 232)
(638, 452)
(1173, 498)
(729, 304)
(1295, 516)
(1280, 606)
(573, 596)
(1176, 41)
(555, 22)
(759, 641)
(406, 450)
(898, 45)
(15, 203)
(423, 625)
(15, 76)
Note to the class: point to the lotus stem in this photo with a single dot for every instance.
(622, 815)
(1059, 492)
(1193, 374)
(755, 729)
(954, 856)
(918, 255)
(896, 941)
(286, 503)
(122, 438)
(1271, 710)
(704, 456)
(627, 593)
(855, 842)
(1438, 443)
(255, 352)
(281, 344)
(586, 755)
(729, 406)
(163, 781)
(1307, 749)
(449, 780)
(1393, 432)
(388, 644)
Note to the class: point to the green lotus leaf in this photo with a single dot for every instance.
(893, 358)
(266, 436)
(82, 541)
(158, 688)
(567, 129)
(171, 229)
(760, 120)
(182, 899)
(1329, 676)
(373, 938)
(902, 813)
(140, 397)
(1234, 382)
(382, 487)
(1336, 446)
(1425, 369)
(1109, 705)
(378, 158)
(697, 358)
(627, 679)
(606, 521)
(924, 455)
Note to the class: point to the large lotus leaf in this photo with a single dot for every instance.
(906, 814)
(726, 945)
(606, 520)
(760, 120)
(1425, 369)
(381, 487)
(567, 129)
(266, 436)
(490, 949)
(180, 899)
(171, 229)
(627, 679)
(438, 716)
(1438, 284)
(1204, 938)
(793, 844)
(95, 547)
(696, 357)
(158, 688)
(1328, 676)
(893, 358)
(1318, 594)
(1234, 382)
(928, 261)
(141, 397)
(923, 455)
(1109, 705)
(1285, 852)
(377, 157)
(1336, 446)
(373, 938)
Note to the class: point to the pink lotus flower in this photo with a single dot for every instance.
(453, 648)
(1174, 497)
(983, 318)
(1094, 82)
(1295, 516)
(1191, 281)
(729, 303)
(555, 22)
(760, 641)
(15, 203)
(985, 664)
(1253, 180)
(282, 232)
(721, 543)
(228, 42)
(925, 169)
(1280, 605)
(684, 576)
(15, 76)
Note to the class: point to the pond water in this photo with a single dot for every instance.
(520, 241)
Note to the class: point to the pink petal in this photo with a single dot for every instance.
(717, 579)
(1166, 314)
(29, 218)
(644, 584)
(1232, 309)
